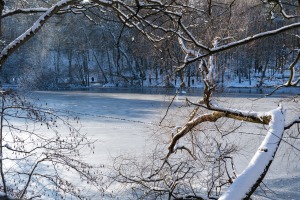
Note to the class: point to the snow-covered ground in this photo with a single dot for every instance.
(123, 122)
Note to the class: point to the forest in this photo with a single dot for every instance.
(196, 142)
(86, 47)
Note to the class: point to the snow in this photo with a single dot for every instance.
(158, 189)
(211, 68)
(175, 129)
(109, 85)
(36, 25)
(262, 158)
(85, 1)
(245, 113)
(186, 50)
(177, 146)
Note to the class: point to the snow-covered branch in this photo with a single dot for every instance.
(254, 117)
(29, 33)
(245, 41)
(76, 9)
(281, 8)
(186, 50)
(23, 11)
(191, 36)
(247, 182)
(190, 125)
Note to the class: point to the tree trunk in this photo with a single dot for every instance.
(85, 64)
(57, 66)
(99, 66)
(2, 3)
(70, 56)
(1, 145)
(110, 67)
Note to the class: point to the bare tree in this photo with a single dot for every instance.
(39, 149)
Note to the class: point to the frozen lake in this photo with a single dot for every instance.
(123, 122)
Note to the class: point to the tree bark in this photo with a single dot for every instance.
(2, 3)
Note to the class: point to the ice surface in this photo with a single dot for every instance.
(102, 114)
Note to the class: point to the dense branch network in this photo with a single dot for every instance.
(154, 19)
(39, 147)
(159, 20)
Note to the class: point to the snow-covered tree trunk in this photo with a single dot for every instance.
(247, 182)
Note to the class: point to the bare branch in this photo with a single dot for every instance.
(288, 126)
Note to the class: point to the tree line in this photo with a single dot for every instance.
(72, 50)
